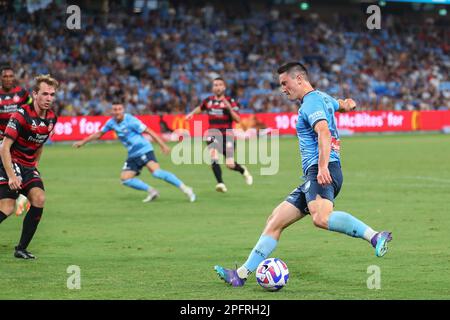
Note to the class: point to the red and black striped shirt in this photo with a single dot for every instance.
(219, 116)
(29, 132)
(9, 102)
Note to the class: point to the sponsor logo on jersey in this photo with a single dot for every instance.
(11, 108)
(33, 125)
(12, 125)
(38, 138)
(316, 115)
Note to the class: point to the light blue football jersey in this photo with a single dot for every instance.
(129, 131)
(316, 106)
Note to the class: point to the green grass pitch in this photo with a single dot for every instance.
(167, 249)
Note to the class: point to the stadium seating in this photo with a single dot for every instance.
(163, 62)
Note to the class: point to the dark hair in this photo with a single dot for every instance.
(6, 67)
(221, 79)
(117, 101)
(292, 67)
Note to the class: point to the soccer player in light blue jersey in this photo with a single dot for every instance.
(129, 130)
(319, 147)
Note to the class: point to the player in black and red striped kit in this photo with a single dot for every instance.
(222, 110)
(27, 131)
(11, 97)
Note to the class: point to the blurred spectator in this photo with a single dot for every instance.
(163, 61)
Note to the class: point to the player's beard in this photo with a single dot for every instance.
(220, 94)
(7, 88)
(119, 117)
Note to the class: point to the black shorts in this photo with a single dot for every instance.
(309, 190)
(224, 144)
(137, 163)
(31, 178)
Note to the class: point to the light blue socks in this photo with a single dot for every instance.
(344, 222)
(137, 184)
(261, 251)
(167, 176)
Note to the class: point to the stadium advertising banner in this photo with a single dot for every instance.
(358, 122)
(377, 121)
(76, 128)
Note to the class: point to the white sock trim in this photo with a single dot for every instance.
(243, 272)
(369, 233)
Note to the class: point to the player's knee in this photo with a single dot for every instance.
(159, 174)
(124, 176)
(320, 220)
(230, 165)
(270, 219)
(38, 200)
(7, 209)
(274, 223)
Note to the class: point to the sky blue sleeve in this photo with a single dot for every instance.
(107, 127)
(314, 111)
(335, 104)
(137, 125)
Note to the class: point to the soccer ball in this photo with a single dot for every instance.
(272, 274)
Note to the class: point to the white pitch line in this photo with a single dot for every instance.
(403, 185)
(429, 179)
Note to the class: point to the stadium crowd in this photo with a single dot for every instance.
(164, 61)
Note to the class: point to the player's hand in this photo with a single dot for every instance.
(15, 183)
(77, 144)
(165, 149)
(226, 103)
(189, 116)
(324, 177)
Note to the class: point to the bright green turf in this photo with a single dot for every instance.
(167, 249)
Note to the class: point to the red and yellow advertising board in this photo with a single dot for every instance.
(76, 128)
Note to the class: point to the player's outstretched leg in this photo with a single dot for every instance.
(169, 177)
(379, 242)
(138, 184)
(283, 216)
(343, 222)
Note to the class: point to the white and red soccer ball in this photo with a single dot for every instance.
(272, 274)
